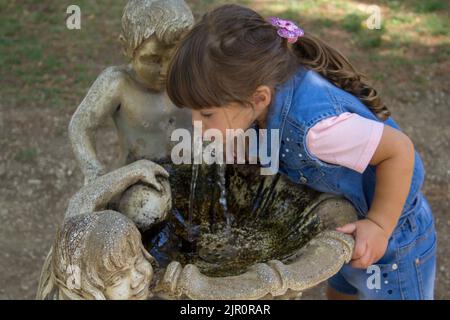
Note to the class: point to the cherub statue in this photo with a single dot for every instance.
(98, 256)
(134, 94)
(98, 253)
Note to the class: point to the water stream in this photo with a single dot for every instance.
(195, 170)
(206, 225)
(221, 182)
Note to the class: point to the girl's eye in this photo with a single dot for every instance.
(206, 115)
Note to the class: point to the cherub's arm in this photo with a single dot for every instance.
(102, 100)
(97, 194)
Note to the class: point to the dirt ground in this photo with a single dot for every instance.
(45, 70)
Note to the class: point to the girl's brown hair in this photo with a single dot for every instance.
(232, 50)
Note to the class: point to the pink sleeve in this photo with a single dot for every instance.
(348, 140)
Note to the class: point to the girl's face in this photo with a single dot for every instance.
(236, 115)
(131, 283)
(232, 116)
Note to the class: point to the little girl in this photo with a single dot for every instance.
(235, 69)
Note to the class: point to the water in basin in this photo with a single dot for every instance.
(226, 218)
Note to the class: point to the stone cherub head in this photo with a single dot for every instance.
(150, 30)
(98, 256)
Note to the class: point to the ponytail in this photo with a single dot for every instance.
(331, 64)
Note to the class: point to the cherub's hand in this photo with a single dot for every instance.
(370, 242)
(93, 174)
(149, 171)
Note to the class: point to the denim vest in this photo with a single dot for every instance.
(301, 102)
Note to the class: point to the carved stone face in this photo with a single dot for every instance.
(150, 62)
(131, 283)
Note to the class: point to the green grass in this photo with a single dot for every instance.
(44, 63)
(52, 63)
(363, 37)
(420, 80)
(435, 26)
(371, 40)
(204, 5)
(416, 6)
(401, 18)
(427, 6)
(38, 52)
(26, 155)
(353, 22)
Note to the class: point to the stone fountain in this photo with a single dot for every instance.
(281, 240)
(152, 230)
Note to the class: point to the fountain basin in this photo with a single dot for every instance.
(281, 242)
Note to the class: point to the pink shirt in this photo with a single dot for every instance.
(348, 140)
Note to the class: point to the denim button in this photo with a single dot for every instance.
(394, 266)
(303, 179)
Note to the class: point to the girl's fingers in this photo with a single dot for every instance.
(349, 228)
(364, 262)
(360, 249)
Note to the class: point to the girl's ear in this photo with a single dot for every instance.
(262, 97)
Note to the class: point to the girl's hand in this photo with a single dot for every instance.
(370, 242)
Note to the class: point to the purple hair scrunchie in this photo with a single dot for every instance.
(287, 29)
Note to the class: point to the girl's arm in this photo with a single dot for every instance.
(394, 161)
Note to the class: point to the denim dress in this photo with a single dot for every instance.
(407, 270)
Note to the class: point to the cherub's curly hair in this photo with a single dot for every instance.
(167, 19)
(96, 244)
